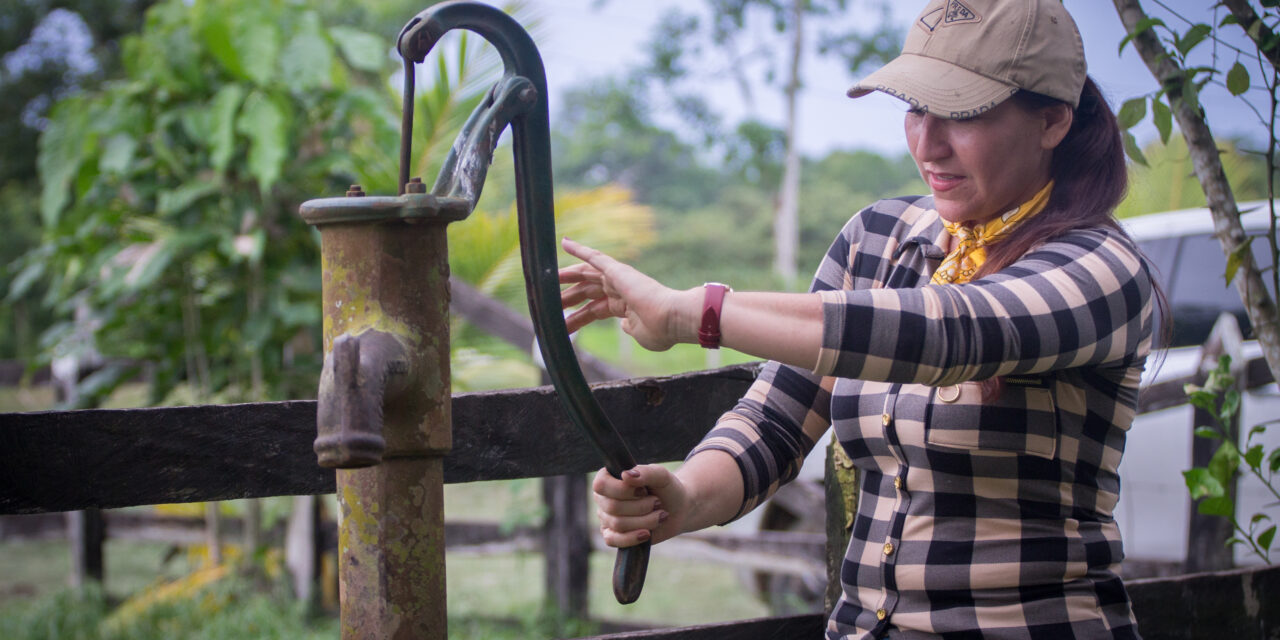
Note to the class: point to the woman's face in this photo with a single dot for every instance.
(980, 167)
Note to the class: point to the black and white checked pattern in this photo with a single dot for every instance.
(976, 519)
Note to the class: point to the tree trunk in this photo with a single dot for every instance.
(786, 227)
(1217, 191)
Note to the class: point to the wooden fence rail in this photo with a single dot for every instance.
(63, 461)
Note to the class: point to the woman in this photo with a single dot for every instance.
(977, 351)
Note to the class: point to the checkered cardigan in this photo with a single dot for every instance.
(975, 519)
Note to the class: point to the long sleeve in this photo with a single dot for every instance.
(1082, 299)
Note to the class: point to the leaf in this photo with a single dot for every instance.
(1238, 79)
(1191, 94)
(1205, 400)
(222, 144)
(1131, 149)
(1253, 457)
(1260, 428)
(1194, 36)
(62, 148)
(175, 201)
(307, 61)
(362, 50)
(1266, 537)
(1230, 406)
(150, 264)
(215, 31)
(266, 125)
(22, 282)
(258, 44)
(1235, 258)
(1143, 25)
(1217, 506)
(117, 154)
(1273, 460)
(1201, 483)
(1162, 116)
(1208, 432)
(1132, 112)
(1224, 463)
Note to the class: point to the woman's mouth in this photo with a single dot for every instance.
(939, 182)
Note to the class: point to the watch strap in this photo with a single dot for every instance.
(712, 303)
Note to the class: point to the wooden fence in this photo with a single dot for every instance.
(99, 459)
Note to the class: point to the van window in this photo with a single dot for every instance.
(1192, 270)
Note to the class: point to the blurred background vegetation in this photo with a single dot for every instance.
(153, 154)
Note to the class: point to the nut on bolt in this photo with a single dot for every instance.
(415, 186)
(355, 191)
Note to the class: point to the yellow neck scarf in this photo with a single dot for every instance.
(972, 241)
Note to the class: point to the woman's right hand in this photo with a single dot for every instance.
(649, 503)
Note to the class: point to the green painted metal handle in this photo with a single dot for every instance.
(531, 133)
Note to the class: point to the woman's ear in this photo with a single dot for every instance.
(1055, 124)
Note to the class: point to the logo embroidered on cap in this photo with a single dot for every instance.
(929, 21)
(958, 11)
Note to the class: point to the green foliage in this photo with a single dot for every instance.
(1208, 484)
(235, 610)
(170, 196)
(1167, 182)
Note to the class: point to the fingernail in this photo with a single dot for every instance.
(643, 535)
(657, 504)
(662, 517)
(631, 473)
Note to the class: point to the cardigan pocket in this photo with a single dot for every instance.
(1021, 420)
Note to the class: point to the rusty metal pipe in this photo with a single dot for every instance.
(385, 274)
(362, 375)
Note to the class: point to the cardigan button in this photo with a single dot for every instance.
(881, 614)
(888, 548)
(885, 419)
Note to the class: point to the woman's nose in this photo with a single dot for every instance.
(927, 138)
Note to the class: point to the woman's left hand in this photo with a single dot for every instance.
(650, 312)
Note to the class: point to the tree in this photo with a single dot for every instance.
(169, 197)
(1166, 53)
(1178, 99)
(728, 35)
(47, 50)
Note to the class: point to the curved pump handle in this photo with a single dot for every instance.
(531, 133)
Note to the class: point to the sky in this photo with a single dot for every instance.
(579, 40)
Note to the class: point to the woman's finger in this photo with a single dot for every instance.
(624, 524)
(588, 313)
(610, 487)
(593, 257)
(624, 540)
(580, 272)
(581, 292)
(627, 508)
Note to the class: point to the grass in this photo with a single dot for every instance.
(491, 597)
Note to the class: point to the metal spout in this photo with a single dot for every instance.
(361, 375)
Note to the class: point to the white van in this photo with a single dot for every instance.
(1154, 505)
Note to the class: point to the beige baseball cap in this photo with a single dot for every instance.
(963, 57)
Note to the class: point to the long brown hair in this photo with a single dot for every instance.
(1089, 174)
(1090, 179)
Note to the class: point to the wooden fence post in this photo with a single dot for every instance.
(566, 545)
(303, 551)
(1207, 535)
(86, 531)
